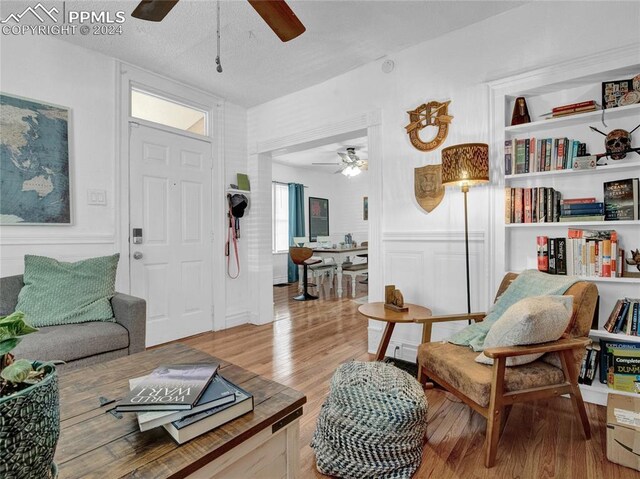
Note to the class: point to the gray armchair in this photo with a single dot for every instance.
(85, 343)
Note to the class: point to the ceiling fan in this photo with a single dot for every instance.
(276, 13)
(350, 164)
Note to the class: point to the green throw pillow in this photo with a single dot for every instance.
(55, 292)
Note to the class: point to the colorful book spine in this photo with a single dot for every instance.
(507, 205)
(527, 205)
(508, 157)
(542, 243)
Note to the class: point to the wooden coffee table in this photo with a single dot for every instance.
(379, 312)
(96, 443)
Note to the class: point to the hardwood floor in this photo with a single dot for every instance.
(308, 340)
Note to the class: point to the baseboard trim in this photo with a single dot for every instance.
(236, 319)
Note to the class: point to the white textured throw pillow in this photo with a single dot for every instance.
(533, 320)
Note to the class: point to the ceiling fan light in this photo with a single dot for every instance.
(351, 171)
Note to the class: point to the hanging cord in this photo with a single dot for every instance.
(231, 236)
(218, 63)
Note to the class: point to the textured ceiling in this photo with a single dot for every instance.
(324, 154)
(340, 36)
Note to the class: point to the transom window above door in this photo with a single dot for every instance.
(150, 107)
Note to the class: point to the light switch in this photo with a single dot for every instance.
(97, 197)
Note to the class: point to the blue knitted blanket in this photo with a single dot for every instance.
(528, 283)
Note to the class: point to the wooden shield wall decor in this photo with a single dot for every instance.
(434, 114)
(427, 183)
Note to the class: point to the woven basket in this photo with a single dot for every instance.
(29, 429)
(372, 424)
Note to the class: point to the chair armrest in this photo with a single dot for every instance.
(559, 345)
(131, 312)
(451, 317)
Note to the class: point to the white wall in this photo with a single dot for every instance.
(70, 76)
(345, 205)
(235, 152)
(85, 81)
(423, 253)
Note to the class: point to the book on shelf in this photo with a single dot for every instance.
(582, 253)
(543, 205)
(624, 317)
(578, 209)
(607, 351)
(580, 218)
(195, 425)
(621, 200)
(533, 155)
(542, 243)
(217, 393)
(624, 370)
(171, 387)
(572, 109)
(577, 201)
(573, 106)
(589, 365)
(520, 161)
(508, 153)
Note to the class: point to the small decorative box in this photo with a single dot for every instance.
(584, 162)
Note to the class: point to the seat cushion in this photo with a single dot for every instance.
(456, 365)
(68, 343)
(356, 267)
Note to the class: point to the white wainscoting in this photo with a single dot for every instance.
(429, 269)
(68, 248)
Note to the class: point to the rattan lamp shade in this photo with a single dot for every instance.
(466, 164)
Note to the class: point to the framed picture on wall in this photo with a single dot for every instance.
(34, 159)
(318, 218)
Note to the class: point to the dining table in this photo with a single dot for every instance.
(340, 255)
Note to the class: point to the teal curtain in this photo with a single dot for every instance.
(296, 222)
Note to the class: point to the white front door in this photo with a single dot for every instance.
(170, 201)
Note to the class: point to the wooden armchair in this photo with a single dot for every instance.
(492, 390)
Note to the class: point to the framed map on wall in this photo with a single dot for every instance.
(318, 218)
(34, 163)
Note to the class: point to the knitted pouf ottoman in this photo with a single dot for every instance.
(372, 424)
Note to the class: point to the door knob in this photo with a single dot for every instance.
(137, 255)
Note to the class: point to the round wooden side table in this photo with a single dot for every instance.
(378, 312)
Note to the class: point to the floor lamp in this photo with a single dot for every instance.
(465, 165)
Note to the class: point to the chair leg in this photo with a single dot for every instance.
(566, 359)
(353, 285)
(305, 296)
(496, 410)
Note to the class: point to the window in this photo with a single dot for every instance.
(280, 218)
(166, 112)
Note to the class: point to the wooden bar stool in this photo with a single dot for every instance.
(302, 257)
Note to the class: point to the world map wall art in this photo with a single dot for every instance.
(34, 162)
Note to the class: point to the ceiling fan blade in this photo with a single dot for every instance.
(336, 163)
(280, 18)
(153, 10)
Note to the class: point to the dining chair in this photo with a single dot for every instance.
(302, 256)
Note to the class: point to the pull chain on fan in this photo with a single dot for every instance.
(218, 63)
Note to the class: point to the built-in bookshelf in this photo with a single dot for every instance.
(515, 243)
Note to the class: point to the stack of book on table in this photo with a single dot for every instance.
(187, 400)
